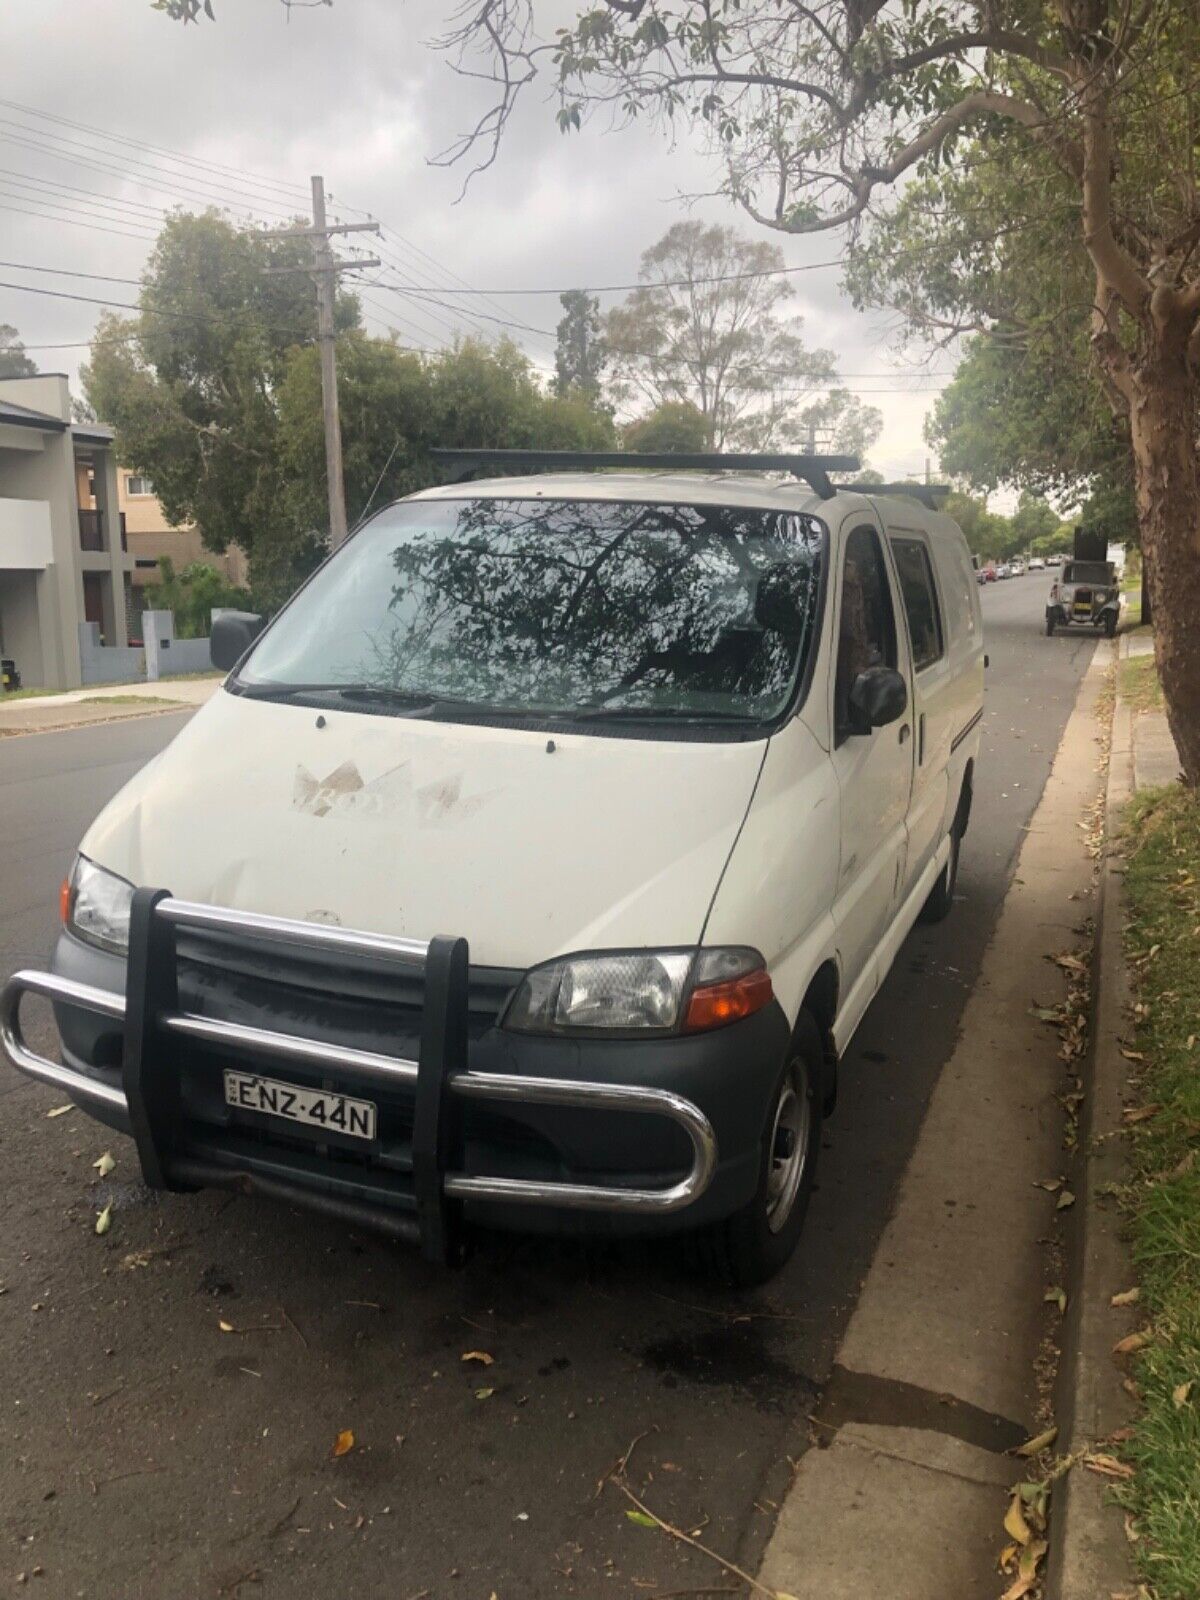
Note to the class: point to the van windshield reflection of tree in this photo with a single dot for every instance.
(597, 609)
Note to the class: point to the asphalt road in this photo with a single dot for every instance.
(146, 1452)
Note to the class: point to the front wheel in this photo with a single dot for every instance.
(757, 1241)
(1110, 625)
(1049, 624)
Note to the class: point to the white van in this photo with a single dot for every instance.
(536, 864)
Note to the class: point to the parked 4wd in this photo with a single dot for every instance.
(536, 865)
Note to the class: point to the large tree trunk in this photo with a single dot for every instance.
(1163, 422)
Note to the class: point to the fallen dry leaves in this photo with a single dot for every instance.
(1132, 1342)
(343, 1444)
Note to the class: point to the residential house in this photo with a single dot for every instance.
(63, 561)
(150, 536)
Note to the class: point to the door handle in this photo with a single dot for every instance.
(905, 730)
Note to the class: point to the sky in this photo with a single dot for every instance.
(241, 111)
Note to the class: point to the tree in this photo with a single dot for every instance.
(820, 110)
(674, 428)
(191, 595)
(580, 355)
(396, 405)
(705, 328)
(1033, 519)
(14, 363)
(191, 386)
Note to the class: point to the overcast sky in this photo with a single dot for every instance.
(354, 92)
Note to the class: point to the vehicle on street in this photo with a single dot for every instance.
(536, 864)
(1085, 594)
(1018, 569)
(989, 572)
(981, 576)
(1036, 564)
(1004, 570)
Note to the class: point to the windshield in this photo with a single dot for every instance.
(544, 607)
(1088, 572)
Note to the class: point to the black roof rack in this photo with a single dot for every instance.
(814, 470)
(929, 494)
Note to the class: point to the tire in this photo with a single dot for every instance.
(941, 896)
(758, 1241)
(1110, 625)
(1049, 625)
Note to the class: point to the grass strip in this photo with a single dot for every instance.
(1162, 887)
(1140, 685)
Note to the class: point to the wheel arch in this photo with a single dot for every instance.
(821, 1003)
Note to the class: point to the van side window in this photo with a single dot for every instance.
(920, 601)
(867, 625)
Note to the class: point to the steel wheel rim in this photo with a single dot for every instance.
(788, 1149)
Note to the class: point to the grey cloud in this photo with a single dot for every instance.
(355, 92)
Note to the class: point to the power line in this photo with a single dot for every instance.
(76, 210)
(505, 322)
(191, 197)
(152, 311)
(221, 172)
(178, 179)
(95, 227)
(288, 191)
(30, 180)
(67, 272)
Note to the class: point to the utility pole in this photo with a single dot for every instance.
(324, 273)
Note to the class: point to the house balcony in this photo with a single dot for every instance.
(91, 530)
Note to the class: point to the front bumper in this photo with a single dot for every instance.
(475, 1123)
(1093, 617)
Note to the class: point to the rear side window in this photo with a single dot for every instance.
(915, 572)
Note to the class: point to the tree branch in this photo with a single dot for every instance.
(1115, 267)
(981, 103)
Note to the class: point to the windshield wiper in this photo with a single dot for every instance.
(380, 693)
(596, 713)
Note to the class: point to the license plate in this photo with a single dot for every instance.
(1083, 608)
(315, 1108)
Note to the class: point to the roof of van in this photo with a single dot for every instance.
(690, 488)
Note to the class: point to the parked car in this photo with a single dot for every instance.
(989, 572)
(1004, 570)
(1018, 569)
(1036, 564)
(1087, 594)
(678, 760)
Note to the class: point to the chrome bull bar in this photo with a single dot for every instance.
(151, 1018)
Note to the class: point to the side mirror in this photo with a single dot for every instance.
(232, 635)
(877, 696)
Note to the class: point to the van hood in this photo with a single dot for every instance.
(527, 846)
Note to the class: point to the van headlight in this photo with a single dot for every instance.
(95, 906)
(658, 991)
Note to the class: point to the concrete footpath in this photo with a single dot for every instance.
(1090, 1555)
(905, 1491)
(50, 713)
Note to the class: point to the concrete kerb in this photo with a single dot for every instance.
(952, 1305)
(1089, 1554)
